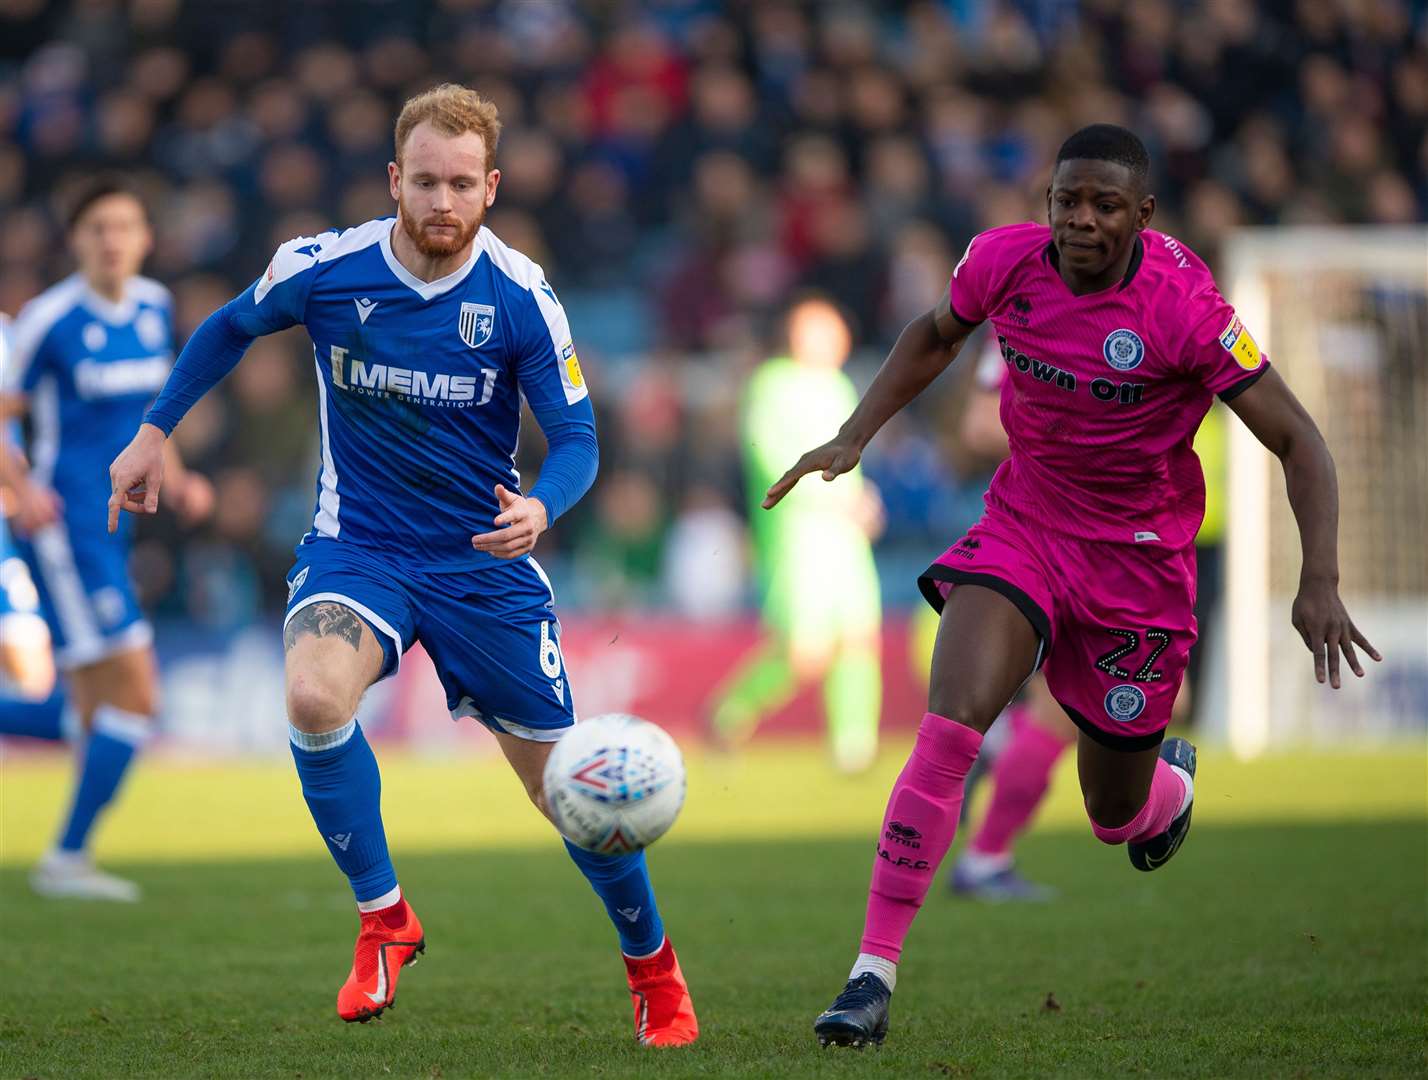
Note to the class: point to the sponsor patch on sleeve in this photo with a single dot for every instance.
(570, 373)
(1236, 341)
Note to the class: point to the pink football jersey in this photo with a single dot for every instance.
(1104, 392)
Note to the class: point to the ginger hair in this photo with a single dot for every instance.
(452, 110)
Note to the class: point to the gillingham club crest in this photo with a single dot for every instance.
(475, 323)
(1123, 349)
(1124, 703)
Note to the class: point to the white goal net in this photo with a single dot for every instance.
(1343, 315)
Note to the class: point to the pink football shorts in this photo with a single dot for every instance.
(1116, 620)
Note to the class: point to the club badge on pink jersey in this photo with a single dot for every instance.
(1123, 349)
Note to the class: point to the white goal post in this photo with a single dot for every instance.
(1343, 315)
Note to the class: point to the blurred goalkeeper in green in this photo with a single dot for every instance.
(817, 582)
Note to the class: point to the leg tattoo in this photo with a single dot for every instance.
(326, 619)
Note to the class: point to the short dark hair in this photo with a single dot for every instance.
(99, 187)
(1108, 142)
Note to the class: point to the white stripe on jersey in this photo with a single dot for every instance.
(44, 431)
(529, 276)
(34, 322)
(289, 261)
(328, 501)
(540, 572)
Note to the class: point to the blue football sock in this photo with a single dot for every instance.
(623, 882)
(38, 718)
(343, 789)
(105, 759)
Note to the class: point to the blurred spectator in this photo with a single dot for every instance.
(678, 170)
(619, 552)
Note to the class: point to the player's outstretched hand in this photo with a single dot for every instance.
(1324, 624)
(519, 523)
(136, 475)
(832, 459)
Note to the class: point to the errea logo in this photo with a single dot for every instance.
(409, 384)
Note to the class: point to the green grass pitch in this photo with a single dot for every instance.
(1289, 938)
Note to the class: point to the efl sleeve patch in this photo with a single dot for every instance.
(1236, 341)
(574, 380)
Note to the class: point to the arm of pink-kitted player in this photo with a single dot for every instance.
(923, 350)
(1270, 410)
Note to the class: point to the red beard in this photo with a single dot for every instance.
(438, 245)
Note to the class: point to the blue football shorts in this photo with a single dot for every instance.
(492, 634)
(86, 597)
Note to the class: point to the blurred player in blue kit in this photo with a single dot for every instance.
(427, 332)
(85, 359)
(27, 670)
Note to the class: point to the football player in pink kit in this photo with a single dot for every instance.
(1115, 340)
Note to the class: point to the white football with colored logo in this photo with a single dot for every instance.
(614, 784)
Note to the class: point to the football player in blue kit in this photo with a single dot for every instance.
(427, 332)
(85, 359)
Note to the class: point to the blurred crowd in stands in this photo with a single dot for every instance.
(679, 168)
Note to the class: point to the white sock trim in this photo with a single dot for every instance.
(1189, 788)
(386, 900)
(65, 858)
(983, 864)
(326, 740)
(647, 956)
(127, 727)
(880, 966)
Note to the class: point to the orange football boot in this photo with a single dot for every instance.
(664, 1013)
(381, 953)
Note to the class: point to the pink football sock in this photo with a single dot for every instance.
(1167, 792)
(1019, 781)
(917, 830)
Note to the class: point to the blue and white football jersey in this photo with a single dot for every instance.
(419, 384)
(89, 368)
